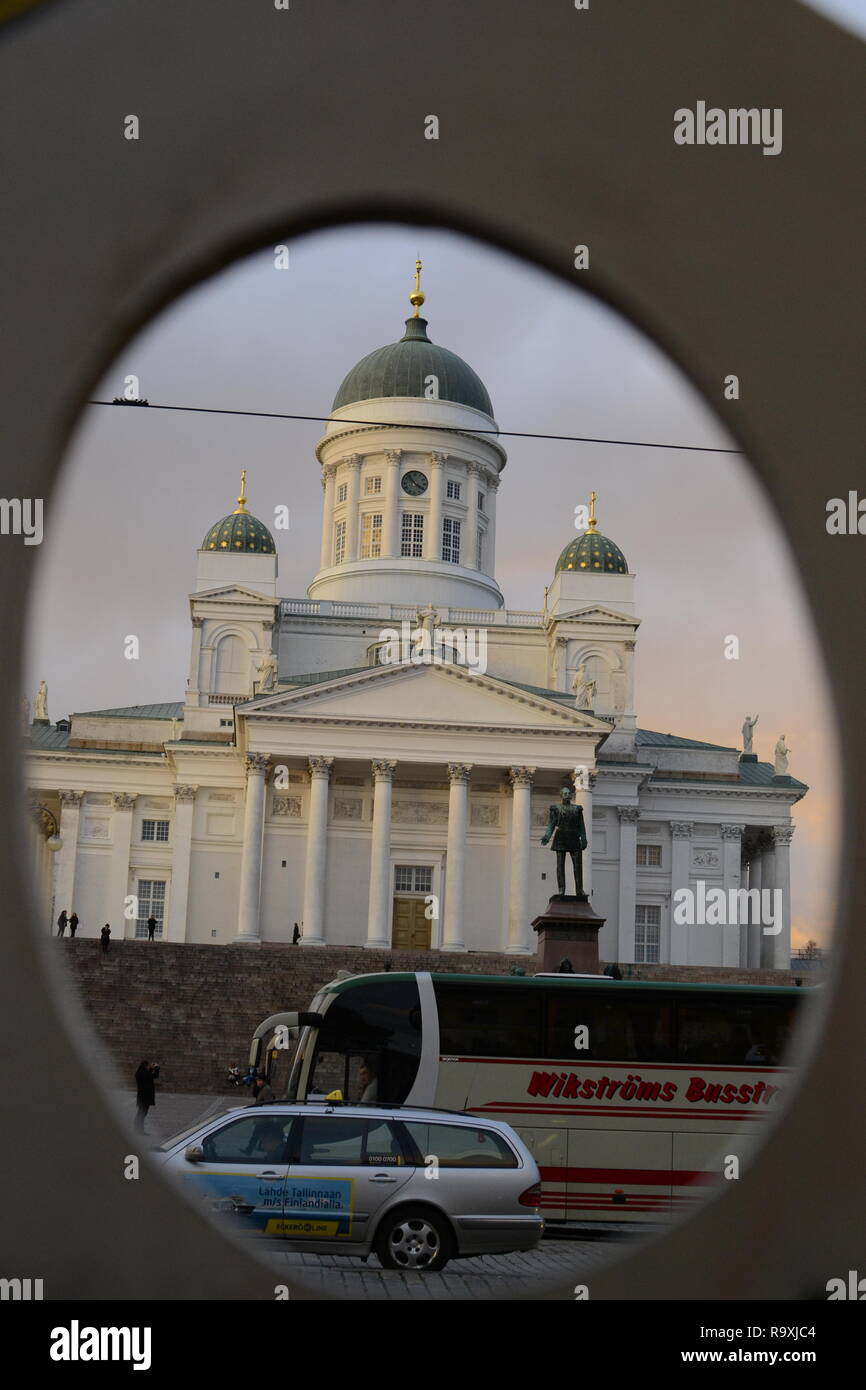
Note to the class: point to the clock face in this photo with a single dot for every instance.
(414, 483)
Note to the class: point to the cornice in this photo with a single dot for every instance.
(437, 726)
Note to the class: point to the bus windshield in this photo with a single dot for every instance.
(370, 1045)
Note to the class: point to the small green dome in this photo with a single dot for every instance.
(592, 553)
(240, 532)
(401, 369)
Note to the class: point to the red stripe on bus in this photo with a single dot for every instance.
(653, 1177)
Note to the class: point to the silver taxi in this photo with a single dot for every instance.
(416, 1187)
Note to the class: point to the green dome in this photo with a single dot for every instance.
(400, 369)
(593, 553)
(240, 533)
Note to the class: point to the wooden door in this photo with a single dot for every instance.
(411, 929)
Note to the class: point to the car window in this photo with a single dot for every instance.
(336, 1142)
(461, 1146)
(383, 1148)
(256, 1139)
(332, 1141)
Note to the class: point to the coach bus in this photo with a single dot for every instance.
(634, 1097)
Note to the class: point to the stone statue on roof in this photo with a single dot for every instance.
(780, 767)
(42, 702)
(748, 726)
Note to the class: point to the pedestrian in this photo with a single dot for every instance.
(105, 934)
(145, 1092)
(61, 922)
(296, 935)
(73, 923)
(262, 1093)
(151, 927)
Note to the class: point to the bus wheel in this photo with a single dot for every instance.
(414, 1238)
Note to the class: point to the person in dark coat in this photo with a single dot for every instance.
(296, 935)
(146, 1092)
(151, 927)
(73, 923)
(61, 922)
(105, 934)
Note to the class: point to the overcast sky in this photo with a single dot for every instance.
(142, 487)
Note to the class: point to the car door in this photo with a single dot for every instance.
(243, 1173)
(343, 1170)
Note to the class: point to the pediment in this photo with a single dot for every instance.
(595, 614)
(440, 695)
(231, 593)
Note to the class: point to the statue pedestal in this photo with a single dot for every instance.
(568, 930)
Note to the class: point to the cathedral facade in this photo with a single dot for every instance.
(375, 761)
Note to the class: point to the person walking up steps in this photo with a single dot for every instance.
(61, 922)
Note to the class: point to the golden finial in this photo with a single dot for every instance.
(546, 592)
(417, 297)
(242, 500)
(592, 527)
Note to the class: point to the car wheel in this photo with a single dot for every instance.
(414, 1238)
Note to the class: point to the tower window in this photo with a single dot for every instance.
(339, 542)
(453, 490)
(479, 550)
(372, 485)
(412, 539)
(481, 501)
(371, 535)
(342, 492)
(451, 540)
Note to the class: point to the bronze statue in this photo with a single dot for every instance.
(566, 825)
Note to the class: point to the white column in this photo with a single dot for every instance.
(470, 551)
(490, 558)
(433, 536)
(317, 852)
(328, 486)
(248, 931)
(732, 839)
(458, 815)
(756, 865)
(379, 903)
(67, 855)
(194, 683)
(781, 944)
(521, 830)
(744, 883)
(681, 868)
(118, 868)
(628, 819)
(353, 477)
(768, 883)
(184, 804)
(391, 509)
(584, 781)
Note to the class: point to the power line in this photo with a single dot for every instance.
(444, 429)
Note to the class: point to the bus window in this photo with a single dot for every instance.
(370, 1044)
(483, 1021)
(620, 1027)
(733, 1031)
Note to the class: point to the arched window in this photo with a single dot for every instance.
(232, 667)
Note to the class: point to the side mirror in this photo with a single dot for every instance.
(194, 1154)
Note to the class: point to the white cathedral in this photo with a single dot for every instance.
(375, 761)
